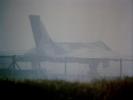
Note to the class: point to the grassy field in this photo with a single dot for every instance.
(117, 89)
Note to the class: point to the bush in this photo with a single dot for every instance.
(119, 89)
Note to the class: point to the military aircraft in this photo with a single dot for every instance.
(48, 50)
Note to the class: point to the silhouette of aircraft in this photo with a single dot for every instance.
(48, 50)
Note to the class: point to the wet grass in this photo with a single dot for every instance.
(116, 89)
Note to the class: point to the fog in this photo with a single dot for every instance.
(96, 24)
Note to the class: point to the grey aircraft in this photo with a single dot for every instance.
(47, 50)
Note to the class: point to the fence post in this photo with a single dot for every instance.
(65, 68)
(121, 70)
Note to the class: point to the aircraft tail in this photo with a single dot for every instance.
(43, 42)
(39, 31)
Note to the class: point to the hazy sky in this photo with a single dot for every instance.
(110, 21)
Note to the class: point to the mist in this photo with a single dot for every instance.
(93, 29)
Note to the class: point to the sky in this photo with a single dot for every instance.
(110, 21)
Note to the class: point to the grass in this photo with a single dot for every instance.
(117, 89)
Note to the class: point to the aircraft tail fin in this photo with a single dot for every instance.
(42, 39)
(39, 31)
